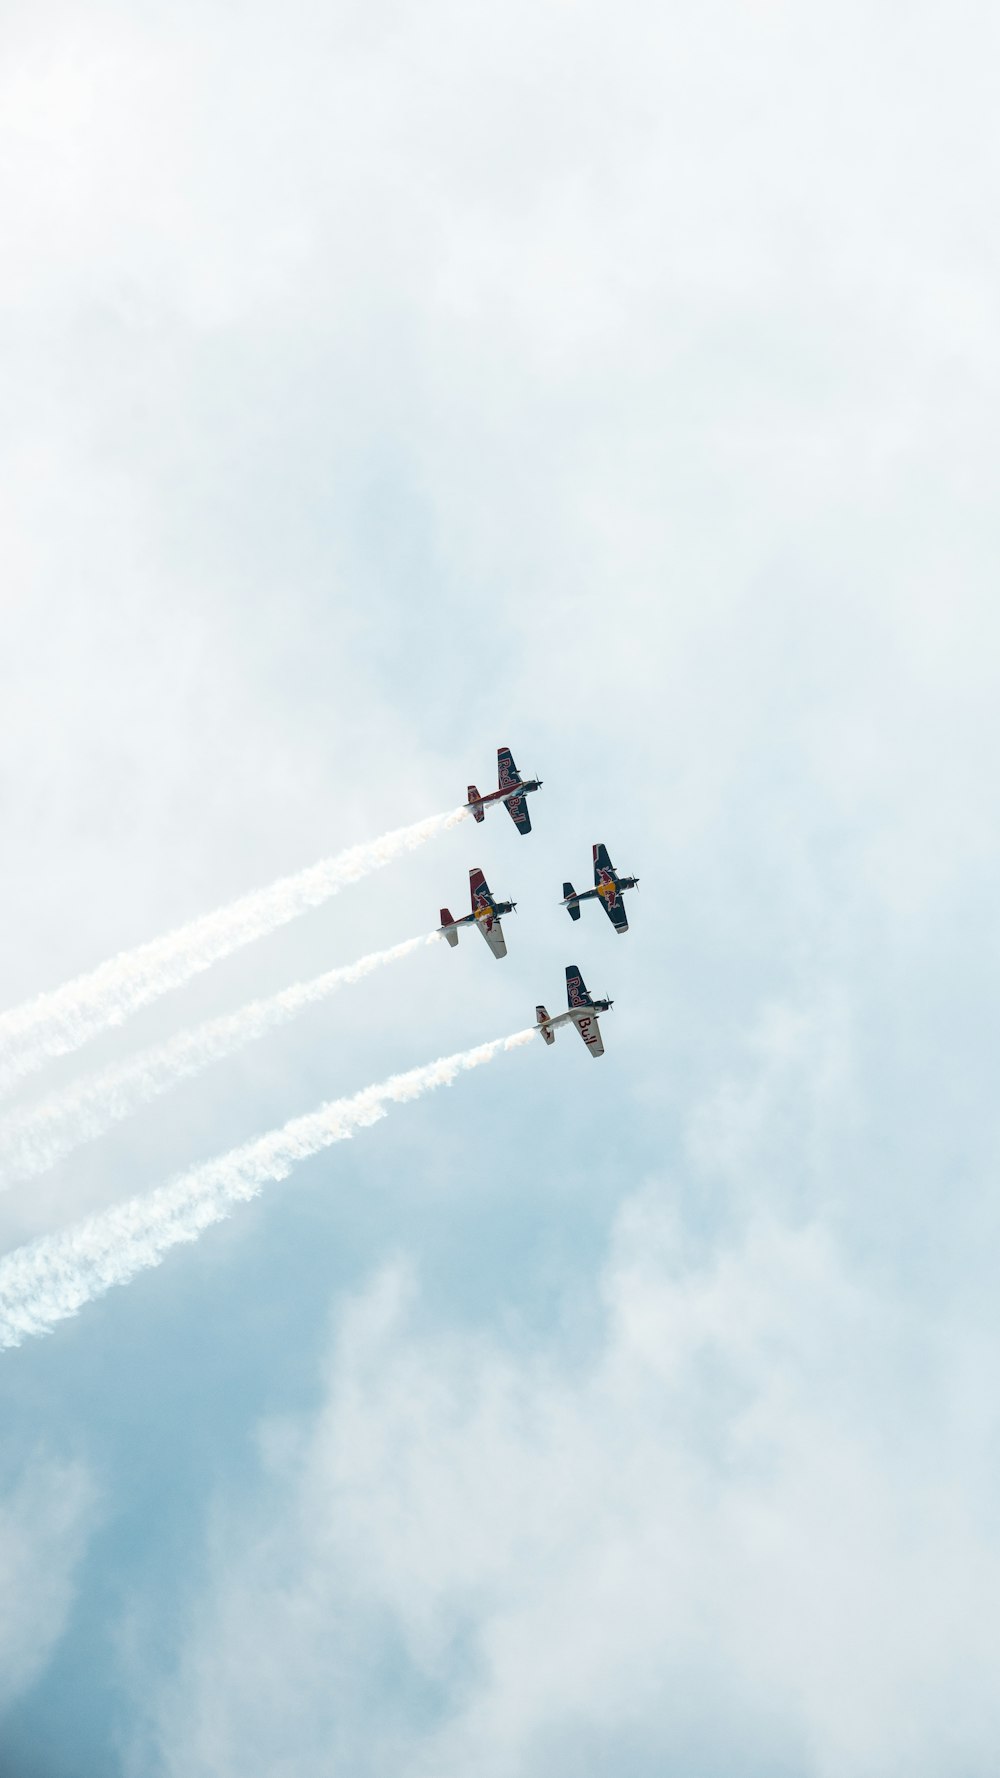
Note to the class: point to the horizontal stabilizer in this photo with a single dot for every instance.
(479, 813)
(540, 1015)
(447, 921)
(573, 906)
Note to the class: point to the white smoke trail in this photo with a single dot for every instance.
(34, 1137)
(60, 1021)
(53, 1277)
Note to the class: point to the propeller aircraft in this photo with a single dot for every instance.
(582, 1013)
(608, 887)
(513, 792)
(485, 914)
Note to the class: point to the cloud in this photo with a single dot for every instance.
(791, 1091)
(750, 1526)
(384, 383)
(45, 1522)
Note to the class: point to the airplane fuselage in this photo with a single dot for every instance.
(603, 892)
(504, 795)
(574, 1016)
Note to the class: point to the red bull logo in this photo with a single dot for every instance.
(607, 888)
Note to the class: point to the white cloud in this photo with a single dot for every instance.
(664, 348)
(45, 1523)
(385, 382)
(751, 1525)
(792, 1093)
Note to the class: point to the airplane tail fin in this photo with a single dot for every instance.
(479, 813)
(447, 920)
(540, 1014)
(573, 906)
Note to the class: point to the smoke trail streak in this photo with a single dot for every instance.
(53, 1277)
(58, 1022)
(34, 1137)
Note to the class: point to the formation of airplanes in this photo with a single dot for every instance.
(486, 912)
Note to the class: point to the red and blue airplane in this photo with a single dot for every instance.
(485, 914)
(582, 1013)
(513, 792)
(608, 887)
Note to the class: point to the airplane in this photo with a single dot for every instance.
(582, 1013)
(512, 793)
(608, 886)
(485, 914)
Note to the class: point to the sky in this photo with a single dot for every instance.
(382, 385)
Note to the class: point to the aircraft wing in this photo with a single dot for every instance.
(509, 778)
(614, 907)
(517, 809)
(590, 1031)
(493, 934)
(507, 772)
(606, 884)
(576, 988)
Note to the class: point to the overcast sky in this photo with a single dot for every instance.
(383, 384)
